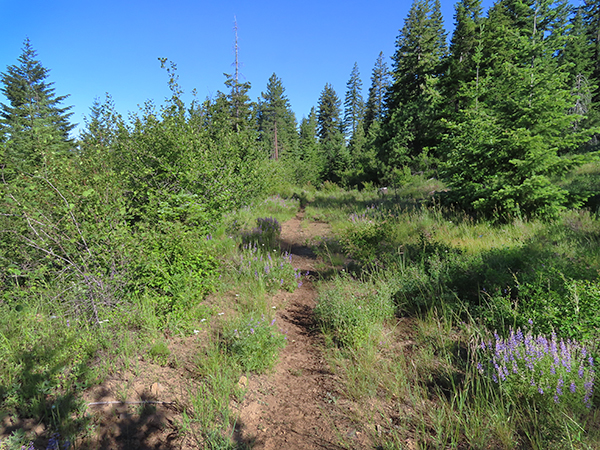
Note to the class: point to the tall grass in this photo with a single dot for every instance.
(456, 280)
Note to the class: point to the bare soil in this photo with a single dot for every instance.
(296, 406)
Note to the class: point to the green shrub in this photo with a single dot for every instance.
(175, 269)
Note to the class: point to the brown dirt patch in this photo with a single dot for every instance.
(293, 407)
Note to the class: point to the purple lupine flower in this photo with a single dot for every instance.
(573, 387)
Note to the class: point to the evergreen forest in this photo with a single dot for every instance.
(457, 283)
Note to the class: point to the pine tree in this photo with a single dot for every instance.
(463, 51)
(375, 109)
(329, 124)
(353, 104)
(102, 126)
(37, 126)
(505, 148)
(591, 18)
(578, 62)
(313, 163)
(411, 128)
(329, 131)
(276, 120)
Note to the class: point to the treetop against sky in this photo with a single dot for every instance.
(94, 48)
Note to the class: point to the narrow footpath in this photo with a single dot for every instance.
(292, 407)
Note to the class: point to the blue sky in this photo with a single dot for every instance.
(92, 48)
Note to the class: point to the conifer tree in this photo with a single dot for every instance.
(353, 104)
(505, 148)
(577, 59)
(329, 124)
(375, 109)
(329, 131)
(313, 161)
(411, 128)
(591, 18)
(276, 120)
(37, 127)
(461, 64)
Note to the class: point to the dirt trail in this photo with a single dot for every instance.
(292, 407)
(296, 406)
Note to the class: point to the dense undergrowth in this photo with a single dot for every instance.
(450, 332)
(478, 335)
(50, 353)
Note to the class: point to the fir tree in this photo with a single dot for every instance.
(353, 104)
(329, 124)
(591, 18)
(505, 148)
(461, 64)
(578, 62)
(313, 163)
(380, 83)
(276, 120)
(329, 131)
(411, 128)
(37, 127)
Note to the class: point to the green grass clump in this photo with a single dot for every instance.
(254, 343)
(352, 313)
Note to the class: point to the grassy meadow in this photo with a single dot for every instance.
(446, 331)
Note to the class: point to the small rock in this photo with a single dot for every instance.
(155, 389)
(243, 383)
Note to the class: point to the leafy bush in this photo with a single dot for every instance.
(365, 240)
(176, 269)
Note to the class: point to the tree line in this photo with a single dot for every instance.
(502, 112)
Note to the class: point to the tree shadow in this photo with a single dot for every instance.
(45, 396)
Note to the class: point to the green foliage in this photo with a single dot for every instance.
(265, 236)
(375, 108)
(254, 343)
(353, 104)
(365, 240)
(277, 122)
(352, 313)
(176, 270)
(37, 127)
